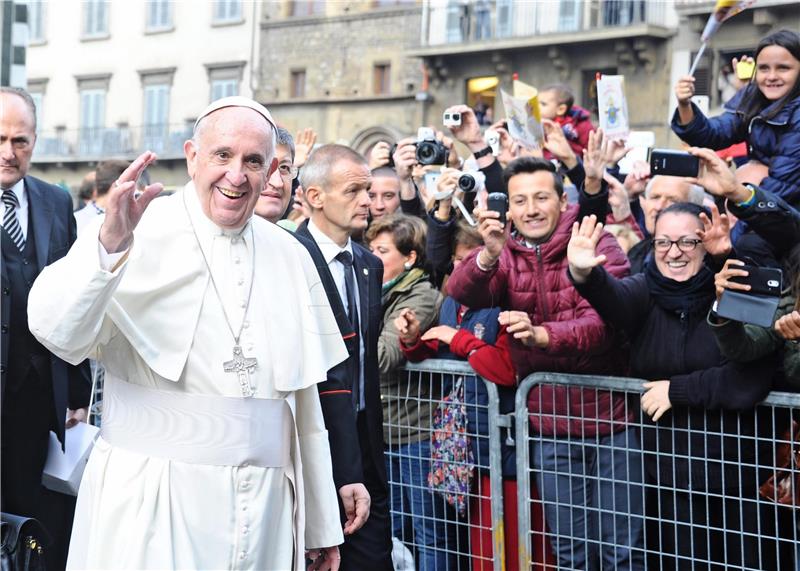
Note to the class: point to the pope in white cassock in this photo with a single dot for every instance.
(213, 330)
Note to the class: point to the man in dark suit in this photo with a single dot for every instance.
(336, 181)
(38, 389)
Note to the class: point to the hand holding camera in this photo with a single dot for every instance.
(404, 157)
(468, 132)
(493, 232)
(379, 155)
(716, 177)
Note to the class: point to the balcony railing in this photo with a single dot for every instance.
(456, 22)
(99, 143)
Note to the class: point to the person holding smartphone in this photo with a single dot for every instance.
(522, 270)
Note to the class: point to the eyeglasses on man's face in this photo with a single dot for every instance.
(287, 171)
(684, 244)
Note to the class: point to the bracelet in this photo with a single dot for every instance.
(751, 199)
(481, 266)
(482, 153)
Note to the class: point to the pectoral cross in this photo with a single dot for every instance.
(242, 366)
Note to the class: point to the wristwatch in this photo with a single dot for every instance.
(482, 153)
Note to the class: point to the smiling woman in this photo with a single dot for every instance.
(691, 388)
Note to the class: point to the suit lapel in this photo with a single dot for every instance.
(41, 216)
(325, 276)
(362, 275)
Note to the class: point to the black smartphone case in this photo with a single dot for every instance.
(673, 163)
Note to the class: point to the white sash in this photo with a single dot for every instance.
(197, 429)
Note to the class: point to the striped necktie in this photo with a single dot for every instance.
(10, 220)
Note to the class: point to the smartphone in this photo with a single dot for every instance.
(762, 281)
(498, 201)
(744, 70)
(673, 163)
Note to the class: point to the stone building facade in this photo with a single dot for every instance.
(342, 71)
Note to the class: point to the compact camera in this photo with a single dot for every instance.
(429, 150)
(471, 181)
(451, 119)
(492, 140)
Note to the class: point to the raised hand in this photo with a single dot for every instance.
(617, 149)
(407, 326)
(636, 181)
(617, 199)
(716, 176)
(557, 144)
(684, 91)
(303, 145)
(722, 280)
(716, 233)
(493, 233)
(582, 246)
(595, 158)
(124, 208)
(379, 155)
(469, 132)
(405, 157)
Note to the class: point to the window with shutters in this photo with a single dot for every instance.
(95, 18)
(227, 11)
(92, 120)
(159, 15)
(224, 78)
(36, 9)
(156, 116)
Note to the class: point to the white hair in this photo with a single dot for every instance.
(696, 194)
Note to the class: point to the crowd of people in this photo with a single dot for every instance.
(327, 271)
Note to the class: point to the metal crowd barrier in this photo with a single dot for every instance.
(685, 513)
(430, 535)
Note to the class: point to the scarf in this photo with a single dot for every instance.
(692, 296)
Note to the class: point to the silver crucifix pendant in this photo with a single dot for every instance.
(242, 366)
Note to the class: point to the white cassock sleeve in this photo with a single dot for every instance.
(68, 301)
(323, 528)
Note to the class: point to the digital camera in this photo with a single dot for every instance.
(429, 150)
(452, 119)
(471, 181)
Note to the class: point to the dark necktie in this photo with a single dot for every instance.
(354, 362)
(11, 221)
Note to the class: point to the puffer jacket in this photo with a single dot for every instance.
(535, 280)
(774, 142)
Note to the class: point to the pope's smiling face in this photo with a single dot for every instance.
(230, 159)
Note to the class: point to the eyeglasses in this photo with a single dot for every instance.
(287, 172)
(684, 244)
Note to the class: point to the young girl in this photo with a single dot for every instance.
(766, 114)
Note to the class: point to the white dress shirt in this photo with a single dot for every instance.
(330, 250)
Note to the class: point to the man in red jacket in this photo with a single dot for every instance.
(584, 446)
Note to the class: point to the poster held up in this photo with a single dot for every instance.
(612, 107)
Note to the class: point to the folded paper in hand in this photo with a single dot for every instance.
(64, 469)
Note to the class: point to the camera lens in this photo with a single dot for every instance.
(426, 153)
(466, 182)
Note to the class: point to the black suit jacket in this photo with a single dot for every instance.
(54, 231)
(336, 391)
